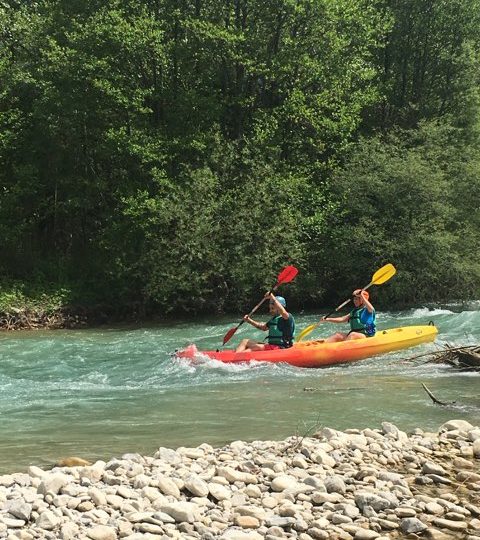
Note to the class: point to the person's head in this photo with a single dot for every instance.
(358, 296)
(280, 299)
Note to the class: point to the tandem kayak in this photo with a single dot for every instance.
(313, 354)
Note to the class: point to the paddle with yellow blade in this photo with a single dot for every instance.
(286, 275)
(381, 276)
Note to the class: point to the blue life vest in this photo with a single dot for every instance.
(361, 320)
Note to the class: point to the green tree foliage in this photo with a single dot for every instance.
(399, 201)
(429, 62)
(175, 154)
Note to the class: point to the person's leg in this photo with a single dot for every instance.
(249, 345)
(242, 345)
(355, 335)
(336, 337)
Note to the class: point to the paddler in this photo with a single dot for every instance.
(361, 319)
(281, 327)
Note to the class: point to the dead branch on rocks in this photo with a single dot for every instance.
(465, 358)
(297, 438)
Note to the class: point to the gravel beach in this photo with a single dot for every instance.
(358, 484)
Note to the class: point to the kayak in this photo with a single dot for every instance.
(314, 354)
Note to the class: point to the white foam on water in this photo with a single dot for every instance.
(429, 312)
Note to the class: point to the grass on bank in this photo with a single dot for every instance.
(16, 296)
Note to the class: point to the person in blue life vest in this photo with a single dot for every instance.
(361, 319)
(281, 327)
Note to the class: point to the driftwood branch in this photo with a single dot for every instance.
(434, 399)
(465, 357)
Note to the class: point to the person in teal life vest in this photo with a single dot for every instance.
(281, 327)
(361, 319)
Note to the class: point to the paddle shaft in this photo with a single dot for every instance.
(346, 302)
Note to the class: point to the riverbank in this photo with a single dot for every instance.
(362, 485)
(33, 306)
(69, 317)
(25, 319)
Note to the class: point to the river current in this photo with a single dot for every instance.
(103, 392)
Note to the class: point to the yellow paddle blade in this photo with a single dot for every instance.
(383, 274)
(305, 332)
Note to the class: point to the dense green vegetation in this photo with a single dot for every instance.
(165, 156)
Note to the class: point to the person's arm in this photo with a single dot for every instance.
(343, 319)
(367, 303)
(255, 324)
(283, 312)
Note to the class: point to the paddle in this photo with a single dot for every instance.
(285, 276)
(381, 276)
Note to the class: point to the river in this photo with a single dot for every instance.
(103, 392)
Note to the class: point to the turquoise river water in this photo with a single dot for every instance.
(100, 393)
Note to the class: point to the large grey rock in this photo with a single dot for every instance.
(278, 521)
(69, 531)
(52, 483)
(181, 511)
(102, 532)
(252, 511)
(7, 480)
(393, 431)
(36, 472)
(232, 475)
(196, 485)
(412, 525)
(48, 520)
(167, 486)
(19, 509)
(450, 524)
(98, 496)
(429, 467)
(283, 482)
(335, 484)
(363, 499)
(168, 455)
(322, 457)
(12, 523)
(219, 492)
(452, 425)
(316, 483)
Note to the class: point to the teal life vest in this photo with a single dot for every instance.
(281, 331)
(361, 320)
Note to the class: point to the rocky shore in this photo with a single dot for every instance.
(358, 484)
